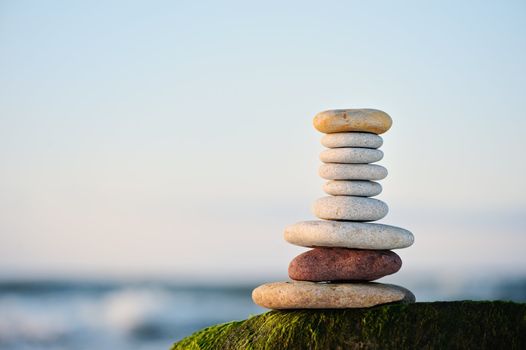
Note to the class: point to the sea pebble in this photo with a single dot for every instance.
(352, 172)
(351, 155)
(360, 235)
(352, 188)
(344, 120)
(343, 264)
(310, 295)
(350, 208)
(352, 139)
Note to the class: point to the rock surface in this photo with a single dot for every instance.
(352, 172)
(358, 235)
(359, 188)
(350, 208)
(354, 155)
(309, 295)
(352, 139)
(345, 120)
(343, 264)
(462, 325)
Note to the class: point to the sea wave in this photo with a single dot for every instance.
(44, 316)
(57, 315)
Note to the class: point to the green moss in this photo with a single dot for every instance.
(440, 325)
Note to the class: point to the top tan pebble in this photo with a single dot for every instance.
(352, 120)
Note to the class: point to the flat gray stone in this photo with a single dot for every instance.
(352, 188)
(310, 295)
(345, 234)
(353, 155)
(352, 139)
(352, 172)
(350, 208)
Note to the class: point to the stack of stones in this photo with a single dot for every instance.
(348, 250)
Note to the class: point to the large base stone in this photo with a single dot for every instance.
(309, 295)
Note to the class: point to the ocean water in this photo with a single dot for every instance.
(53, 315)
(101, 315)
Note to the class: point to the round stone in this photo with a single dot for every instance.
(310, 295)
(350, 208)
(345, 120)
(352, 139)
(352, 188)
(352, 172)
(343, 264)
(351, 155)
(359, 235)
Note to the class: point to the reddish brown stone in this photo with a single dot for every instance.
(342, 264)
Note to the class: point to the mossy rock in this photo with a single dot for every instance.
(439, 325)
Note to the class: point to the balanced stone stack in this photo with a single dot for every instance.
(348, 251)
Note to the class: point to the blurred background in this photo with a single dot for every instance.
(151, 154)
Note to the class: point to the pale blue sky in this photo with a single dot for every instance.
(143, 138)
